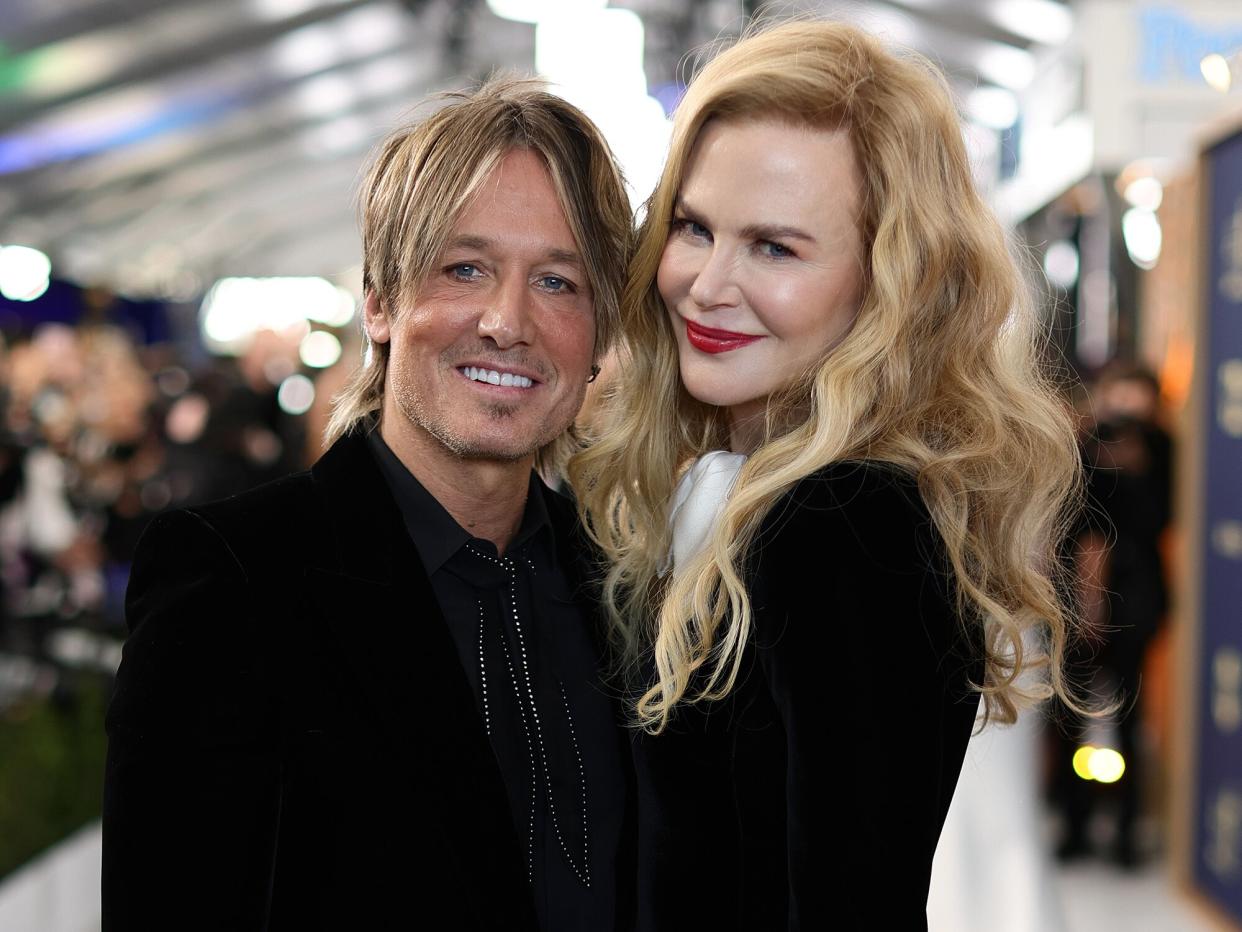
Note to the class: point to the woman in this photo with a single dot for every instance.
(820, 294)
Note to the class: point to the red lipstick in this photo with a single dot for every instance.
(711, 340)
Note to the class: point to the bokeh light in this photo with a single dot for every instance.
(1145, 191)
(538, 11)
(994, 107)
(1216, 72)
(296, 394)
(235, 309)
(1106, 765)
(1103, 765)
(25, 273)
(1081, 761)
(319, 349)
(1061, 263)
(1143, 237)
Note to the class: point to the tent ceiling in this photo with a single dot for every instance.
(146, 142)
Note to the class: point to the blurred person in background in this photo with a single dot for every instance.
(830, 534)
(75, 409)
(1124, 596)
(98, 440)
(365, 696)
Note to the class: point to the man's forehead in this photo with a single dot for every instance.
(519, 178)
(517, 209)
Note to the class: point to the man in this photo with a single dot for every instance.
(364, 696)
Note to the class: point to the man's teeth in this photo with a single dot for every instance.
(493, 377)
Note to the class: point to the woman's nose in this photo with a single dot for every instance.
(714, 282)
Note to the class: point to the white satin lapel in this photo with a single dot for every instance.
(699, 500)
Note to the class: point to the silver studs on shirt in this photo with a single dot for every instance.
(528, 705)
(487, 718)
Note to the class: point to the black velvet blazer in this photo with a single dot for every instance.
(812, 797)
(292, 741)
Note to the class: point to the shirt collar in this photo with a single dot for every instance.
(436, 535)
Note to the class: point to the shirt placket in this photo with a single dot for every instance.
(519, 663)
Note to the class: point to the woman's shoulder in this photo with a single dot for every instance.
(865, 497)
(850, 519)
(854, 541)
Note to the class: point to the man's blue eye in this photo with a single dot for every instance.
(465, 270)
(556, 283)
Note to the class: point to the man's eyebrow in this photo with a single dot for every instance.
(482, 244)
(467, 241)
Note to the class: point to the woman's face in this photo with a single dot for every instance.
(762, 268)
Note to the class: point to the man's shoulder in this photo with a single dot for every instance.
(263, 509)
(269, 524)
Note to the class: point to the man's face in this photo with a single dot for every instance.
(491, 358)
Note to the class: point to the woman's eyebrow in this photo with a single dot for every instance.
(775, 231)
(681, 207)
(751, 230)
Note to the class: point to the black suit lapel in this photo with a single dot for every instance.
(380, 607)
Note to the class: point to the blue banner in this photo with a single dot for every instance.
(1217, 832)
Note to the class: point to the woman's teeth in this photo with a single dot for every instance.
(492, 377)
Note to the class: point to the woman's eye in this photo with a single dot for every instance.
(775, 250)
(691, 228)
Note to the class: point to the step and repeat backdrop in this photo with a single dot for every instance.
(1216, 850)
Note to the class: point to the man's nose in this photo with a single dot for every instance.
(507, 318)
(714, 280)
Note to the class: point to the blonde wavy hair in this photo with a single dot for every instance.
(939, 377)
(423, 176)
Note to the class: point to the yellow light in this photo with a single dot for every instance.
(1106, 765)
(1081, 758)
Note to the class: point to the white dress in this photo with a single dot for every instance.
(992, 871)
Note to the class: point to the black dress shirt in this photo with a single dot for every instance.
(528, 652)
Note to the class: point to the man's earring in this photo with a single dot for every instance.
(594, 374)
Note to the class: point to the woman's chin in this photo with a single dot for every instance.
(712, 392)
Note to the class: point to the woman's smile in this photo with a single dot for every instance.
(712, 340)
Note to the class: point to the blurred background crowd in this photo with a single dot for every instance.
(178, 302)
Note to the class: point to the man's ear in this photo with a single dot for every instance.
(375, 318)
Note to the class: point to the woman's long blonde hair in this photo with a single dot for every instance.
(939, 376)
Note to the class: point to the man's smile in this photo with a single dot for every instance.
(498, 377)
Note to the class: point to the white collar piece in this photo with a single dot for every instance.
(698, 502)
